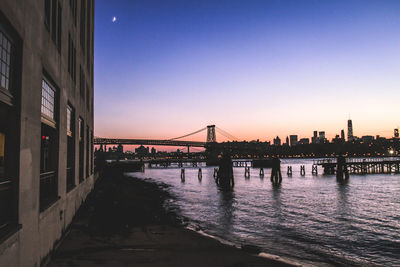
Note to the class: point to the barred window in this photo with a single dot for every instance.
(48, 98)
(5, 59)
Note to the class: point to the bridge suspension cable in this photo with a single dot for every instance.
(226, 134)
(186, 135)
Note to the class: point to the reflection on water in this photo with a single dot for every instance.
(308, 218)
(225, 211)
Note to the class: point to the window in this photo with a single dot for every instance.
(91, 152)
(2, 144)
(82, 82)
(71, 58)
(49, 147)
(48, 96)
(81, 130)
(5, 186)
(88, 35)
(82, 25)
(47, 14)
(70, 148)
(87, 151)
(69, 120)
(87, 98)
(73, 6)
(5, 61)
(53, 20)
(59, 27)
(10, 48)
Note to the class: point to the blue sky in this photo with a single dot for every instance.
(256, 69)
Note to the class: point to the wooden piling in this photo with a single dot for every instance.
(182, 175)
(289, 171)
(302, 170)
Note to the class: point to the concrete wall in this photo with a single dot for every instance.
(39, 231)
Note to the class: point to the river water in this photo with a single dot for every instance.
(310, 219)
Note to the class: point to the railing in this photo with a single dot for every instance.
(5, 205)
(48, 188)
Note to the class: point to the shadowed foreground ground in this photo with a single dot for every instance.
(124, 223)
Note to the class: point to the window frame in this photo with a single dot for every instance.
(7, 95)
(52, 122)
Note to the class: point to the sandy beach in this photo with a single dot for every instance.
(124, 222)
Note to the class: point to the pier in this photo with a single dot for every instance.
(362, 166)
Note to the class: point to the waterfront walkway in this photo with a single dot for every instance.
(123, 223)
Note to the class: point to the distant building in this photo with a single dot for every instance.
(142, 151)
(350, 136)
(337, 139)
(293, 140)
(277, 141)
(120, 149)
(153, 151)
(396, 133)
(287, 140)
(304, 141)
(367, 138)
(314, 138)
(342, 135)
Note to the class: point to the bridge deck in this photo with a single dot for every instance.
(117, 141)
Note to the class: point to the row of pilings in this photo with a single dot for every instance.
(224, 178)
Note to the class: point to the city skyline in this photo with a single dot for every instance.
(256, 69)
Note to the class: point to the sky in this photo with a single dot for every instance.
(256, 69)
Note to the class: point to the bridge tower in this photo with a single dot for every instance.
(211, 137)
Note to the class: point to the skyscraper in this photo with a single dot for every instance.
(342, 134)
(314, 139)
(349, 130)
(293, 140)
(277, 141)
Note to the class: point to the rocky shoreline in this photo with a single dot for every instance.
(125, 222)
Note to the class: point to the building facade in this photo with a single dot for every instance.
(277, 141)
(293, 140)
(350, 136)
(46, 125)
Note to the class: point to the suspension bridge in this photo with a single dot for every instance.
(211, 138)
